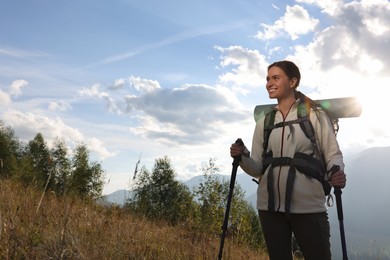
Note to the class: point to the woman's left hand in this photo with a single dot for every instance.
(338, 179)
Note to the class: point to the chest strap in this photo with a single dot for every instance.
(306, 164)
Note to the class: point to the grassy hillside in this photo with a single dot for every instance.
(71, 229)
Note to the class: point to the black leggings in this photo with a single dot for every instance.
(311, 231)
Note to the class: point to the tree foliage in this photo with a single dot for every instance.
(10, 150)
(62, 166)
(86, 179)
(41, 160)
(158, 195)
(212, 194)
(36, 164)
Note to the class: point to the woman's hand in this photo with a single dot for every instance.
(338, 179)
(238, 148)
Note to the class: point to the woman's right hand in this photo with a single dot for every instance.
(236, 150)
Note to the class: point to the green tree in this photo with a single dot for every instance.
(158, 195)
(212, 194)
(86, 179)
(10, 151)
(62, 166)
(25, 172)
(96, 183)
(41, 160)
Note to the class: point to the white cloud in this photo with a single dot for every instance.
(150, 127)
(113, 104)
(189, 114)
(27, 125)
(295, 22)
(60, 105)
(144, 85)
(274, 50)
(348, 51)
(4, 98)
(369, 64)
(93, 92)
(249, 66)
(97, 146)
(16, 87)
(331, 7)
(118, 84)
(351, 42)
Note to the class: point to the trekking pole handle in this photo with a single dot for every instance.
(240, 142)
(337, 190)
(333, 170)
(238, 157)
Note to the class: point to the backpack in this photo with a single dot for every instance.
(306, 164)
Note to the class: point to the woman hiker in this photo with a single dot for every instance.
(290, 195)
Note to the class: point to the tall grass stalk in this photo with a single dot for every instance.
(43, 193)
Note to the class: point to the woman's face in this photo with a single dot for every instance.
(279, 86)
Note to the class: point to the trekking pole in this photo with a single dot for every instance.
(337, 192)
(236, 162)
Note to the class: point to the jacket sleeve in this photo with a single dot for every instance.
(327, 140)
(252, 164)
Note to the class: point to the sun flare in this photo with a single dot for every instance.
(371, 126)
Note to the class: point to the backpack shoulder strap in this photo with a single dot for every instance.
(269, 122)
(304, 108)
(307, 127)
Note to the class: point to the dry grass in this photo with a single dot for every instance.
(71, 229)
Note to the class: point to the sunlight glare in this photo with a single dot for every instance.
(373, 123)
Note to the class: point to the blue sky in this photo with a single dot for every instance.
(179, 78)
